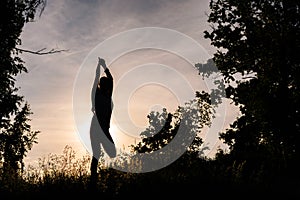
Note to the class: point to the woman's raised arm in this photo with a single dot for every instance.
(95, 85)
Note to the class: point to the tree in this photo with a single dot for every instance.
(188, 119)
(16, 136)
(258, 44)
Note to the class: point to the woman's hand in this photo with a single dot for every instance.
(101, 61)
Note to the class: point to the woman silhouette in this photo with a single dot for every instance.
(102, 106)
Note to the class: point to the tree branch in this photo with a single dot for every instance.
(41, 51)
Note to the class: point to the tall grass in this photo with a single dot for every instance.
(65, 165)
(69, 175)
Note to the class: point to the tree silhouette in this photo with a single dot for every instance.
(164, 127)
(258, 45)
(16, 137)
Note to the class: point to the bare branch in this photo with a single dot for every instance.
(249, 77)
(41, 51)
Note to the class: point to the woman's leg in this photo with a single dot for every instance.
(95, 143)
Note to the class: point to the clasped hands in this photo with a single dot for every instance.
(101, 62)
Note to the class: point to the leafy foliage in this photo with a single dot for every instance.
(189, 119)
(16, 137)
(258, 43)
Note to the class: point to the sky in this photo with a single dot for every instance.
(57, 86)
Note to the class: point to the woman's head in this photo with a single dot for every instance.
(104, 83)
